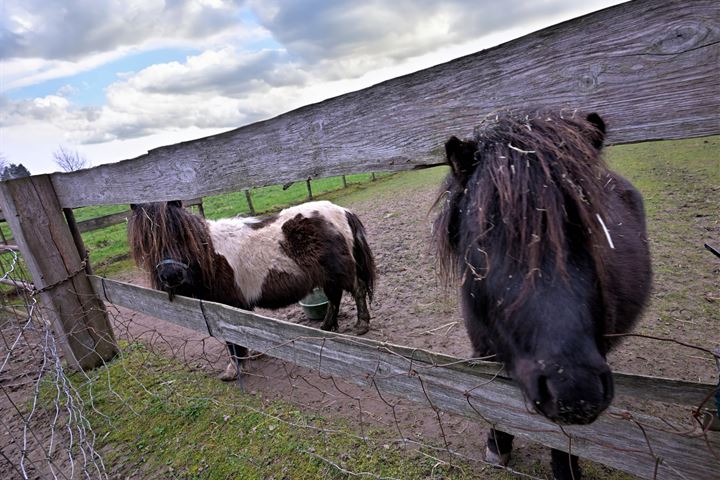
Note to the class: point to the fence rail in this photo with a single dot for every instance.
(120, 217)
(649, 68)
(638, 444)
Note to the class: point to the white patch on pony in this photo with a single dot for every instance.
(252, 253)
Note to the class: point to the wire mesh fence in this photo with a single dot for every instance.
(46, 432)
(133, 417)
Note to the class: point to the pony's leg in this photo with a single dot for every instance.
(499, 446)
(334, 295)
(234, 368)
(565, 466)
(363, 314)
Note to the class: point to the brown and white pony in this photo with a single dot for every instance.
(550, 249)
(268, 262)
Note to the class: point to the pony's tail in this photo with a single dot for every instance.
(364, 260)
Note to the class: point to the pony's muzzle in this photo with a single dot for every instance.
(171, 273)
(572, 395)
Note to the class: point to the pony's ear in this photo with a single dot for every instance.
(175, 203)
(133, 206)
(461, 157)
(598, 136)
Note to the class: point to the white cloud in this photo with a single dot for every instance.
(73, 29)
(317, 30)
(46, 39)
(225, 71)
(322, 49)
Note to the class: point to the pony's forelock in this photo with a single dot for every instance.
(531, 174)
(157, 231)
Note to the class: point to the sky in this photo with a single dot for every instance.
(113, 79)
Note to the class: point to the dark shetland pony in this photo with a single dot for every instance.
(249, 262)
(550, 250)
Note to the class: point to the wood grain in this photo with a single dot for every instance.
(649, 68)
(79, 317)
(442, 382)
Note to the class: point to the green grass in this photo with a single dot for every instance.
(184, 424)
(273, 197)
(680, 183)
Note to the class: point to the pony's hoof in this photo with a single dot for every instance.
(230, 373)
(362, 328)
(497, 459)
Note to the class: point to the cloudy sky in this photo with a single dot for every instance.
(114, 78)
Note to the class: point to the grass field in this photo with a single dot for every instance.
(187, 425)
(183, 424)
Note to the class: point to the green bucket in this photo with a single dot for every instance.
(315, 305)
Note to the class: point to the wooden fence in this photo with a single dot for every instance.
(628, 441)
(649, 68)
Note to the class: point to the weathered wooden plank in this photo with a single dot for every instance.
(120, 217)
(643, 387)
(665, 390)
(185, 312)
(446, 383)
(104, 221)
(80, 320)
(632, 385)
(649, 68)
(77, 238)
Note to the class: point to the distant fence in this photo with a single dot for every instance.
(632, 63)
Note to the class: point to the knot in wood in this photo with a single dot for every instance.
(683, 38)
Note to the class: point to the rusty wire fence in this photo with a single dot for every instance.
(56, 423)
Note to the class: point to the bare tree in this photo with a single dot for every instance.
(70, 160)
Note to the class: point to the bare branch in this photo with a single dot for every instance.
(70, 160)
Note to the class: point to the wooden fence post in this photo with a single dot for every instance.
(77, 238)
(251, 207)
(309, 189)
(344, 181)
(79, 318)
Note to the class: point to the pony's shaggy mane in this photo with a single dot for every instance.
(531, 177)
(157, 231)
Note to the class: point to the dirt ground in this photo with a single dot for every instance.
(413, 309)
